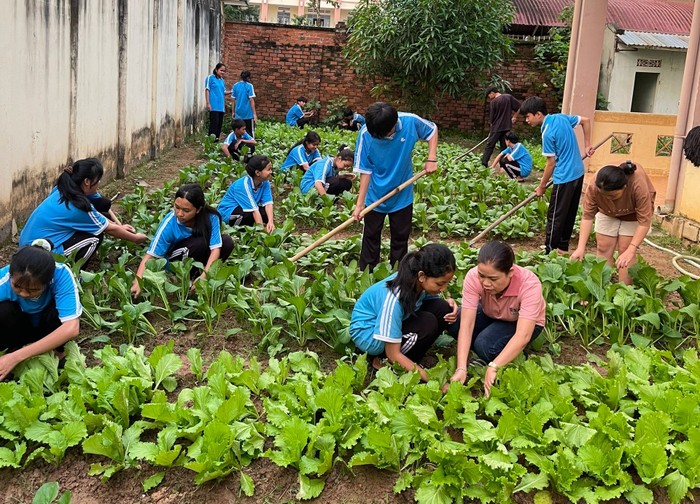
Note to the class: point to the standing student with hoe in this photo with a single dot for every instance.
(503, 109)
(564, 166)
(383, 160)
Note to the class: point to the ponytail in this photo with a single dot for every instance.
(310, 137)
(345, 154)
(69, 182)
(434, 260)
(33, 264)
(612, 178)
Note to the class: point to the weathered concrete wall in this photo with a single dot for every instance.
(114, 79)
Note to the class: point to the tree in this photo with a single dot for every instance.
(236, 13)
(420, 50)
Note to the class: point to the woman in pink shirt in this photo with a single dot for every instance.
(502, 310)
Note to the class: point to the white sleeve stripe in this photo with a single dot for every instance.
(248, 186)
(379, 337)
(76, 293)
(360, 145)
(5, 278)
(387, 314)
(158, 234)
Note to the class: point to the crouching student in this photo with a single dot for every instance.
(352, 120)
(238, 139)
(191, 229)
(324, 175)
(303, 153)
(502, 310)
(622, 203)
(402, 316)
(248, 201)
(39, 305)
(67, 218)
(515, 160)
(296, 115)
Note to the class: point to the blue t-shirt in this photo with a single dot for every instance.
(559, 141)
(63, 289)
(243, 193)
(294, 114)
(378, 316)
(242, 92)
(318, 172)
(170, 231)
(358, 118)
(217, 90)
(232, 138)
(388, 160)
(298, 156)
(520, 154)
(55, 222)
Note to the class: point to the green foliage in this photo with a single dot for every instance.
(553, 54)
(48, 494)
(238, 13)
(422, 49)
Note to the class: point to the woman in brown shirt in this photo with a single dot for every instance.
(622, 203)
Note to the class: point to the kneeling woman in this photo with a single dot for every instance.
(324, 175)
(68, 219)
(248, 201)
(622, 203)
(39, 305)
(191, 229)
(402, 316)
(502, 310)
(303, 153)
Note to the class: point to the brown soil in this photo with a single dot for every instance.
(273, 484)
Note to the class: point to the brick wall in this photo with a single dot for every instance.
(288, 61)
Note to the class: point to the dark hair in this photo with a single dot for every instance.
(345, 154)
(68, 183)
(302, 98)
(245, 75)
(512, 136)
(612, 178)
(237, 123)
(498, 254)
(33, 264)
(194, 194)
(491, 89)
(434, 260)
(310, 137)
(218, 65)
(347, 112)
(256, 163)
(532, 105)
(380, 118)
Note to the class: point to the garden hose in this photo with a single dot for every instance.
(677, 258)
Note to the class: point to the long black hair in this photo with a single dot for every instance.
(310, 137)
(345, 154)
(498, 254)
(69, 182)
(434, 260)
(245, 75)
(213, 72)
(612, 178)
(33, 264)
(202, 224)
(256, 163)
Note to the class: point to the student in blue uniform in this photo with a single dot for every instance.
(303, 153)
(248, 201)
(243, 95)
(191, 229)
(39, 305)
(402, 316)
(296, 115)
(515, 160)
(215, 94)
(238, 139)
(67, 218)
(352, 120)
(324, 175)
(383, 160)
(564, 166)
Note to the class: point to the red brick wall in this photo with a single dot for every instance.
(289, 61)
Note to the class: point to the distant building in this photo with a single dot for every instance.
(284, 11)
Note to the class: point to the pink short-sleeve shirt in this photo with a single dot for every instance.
(521, 299)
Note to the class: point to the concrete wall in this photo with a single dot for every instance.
(644, 128)
(114, 79)
(689, 203)
(618, 71)
(289, 61)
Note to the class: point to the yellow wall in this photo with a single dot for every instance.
(645, 128)
(689, 204)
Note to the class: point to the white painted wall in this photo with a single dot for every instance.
(618, 71)
(114, 79)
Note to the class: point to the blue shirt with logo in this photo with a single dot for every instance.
(559, 141)
(520, 154)
(242, 92)
(298, 156)
(217, 90)
(243, 193)
(63, 290)
(389, 162)
(57, 222)
(170, 231)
